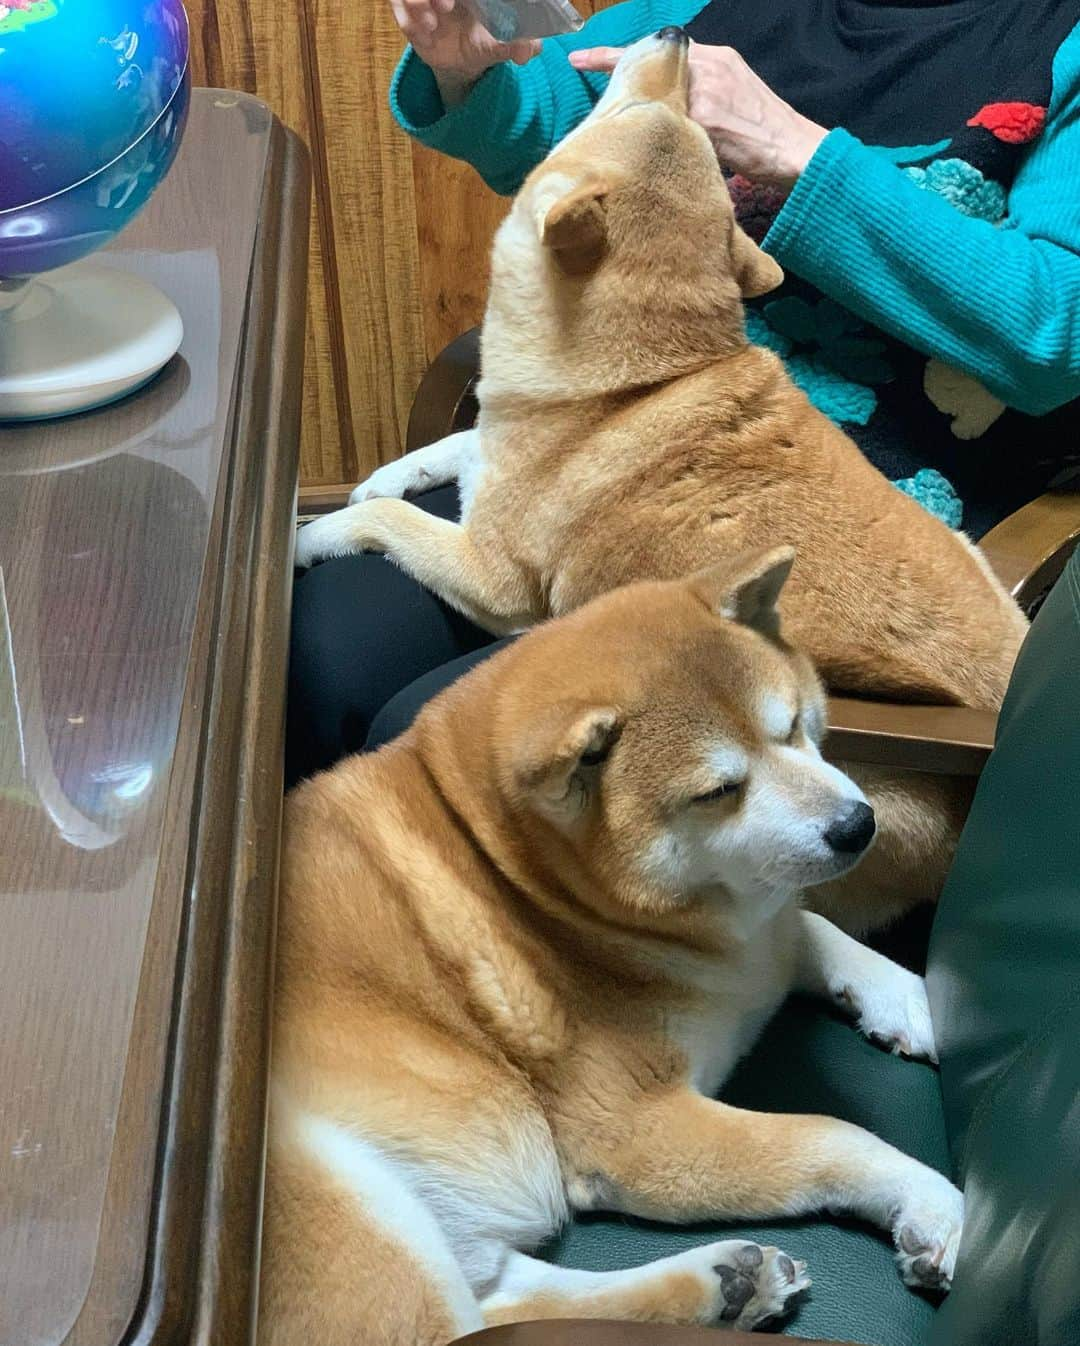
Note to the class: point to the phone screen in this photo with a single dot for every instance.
(516, 20)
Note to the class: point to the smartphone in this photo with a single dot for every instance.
(516, 20)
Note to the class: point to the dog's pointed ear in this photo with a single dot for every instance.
(562, 754)
(746, 588)
(574, 226)
(755, 272)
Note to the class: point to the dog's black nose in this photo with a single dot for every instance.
(854, 831)
(673, 34)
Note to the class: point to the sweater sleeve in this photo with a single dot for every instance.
(999, 303)
(515, 115)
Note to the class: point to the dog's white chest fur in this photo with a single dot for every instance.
(737, 1000)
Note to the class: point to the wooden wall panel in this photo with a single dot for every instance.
(365, 189)
(456, 220)
(262, 48)
(400, 236)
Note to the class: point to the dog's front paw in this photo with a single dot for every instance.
(392, 481)
(315, 542)
(927, 1233)
(891, 1008)
(754, 1284)
(337, 534)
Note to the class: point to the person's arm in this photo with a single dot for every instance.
(999, 303)
(515, 115)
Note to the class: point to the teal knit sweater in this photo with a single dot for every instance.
(998, 300)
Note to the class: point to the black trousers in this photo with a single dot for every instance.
(369, 646)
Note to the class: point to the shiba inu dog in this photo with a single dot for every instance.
(520, 948)
(628, 431)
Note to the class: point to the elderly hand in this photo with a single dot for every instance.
(754, 131)
(458, 49)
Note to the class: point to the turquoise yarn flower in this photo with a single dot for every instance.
(935, 493)
(838, 398)
(761, 334)
(835, 396)
(963, 186)
(833, 334)
(854, 403)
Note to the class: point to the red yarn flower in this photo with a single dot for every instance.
(1014, 123)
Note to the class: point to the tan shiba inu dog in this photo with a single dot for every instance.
(627, 431)
(522, 945)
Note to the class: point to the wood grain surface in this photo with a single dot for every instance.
(400, 236)
(144, 567)
(585, 1332)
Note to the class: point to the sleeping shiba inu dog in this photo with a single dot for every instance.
(628, 431)
(520, 949)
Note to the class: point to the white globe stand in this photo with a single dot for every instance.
(79, 337)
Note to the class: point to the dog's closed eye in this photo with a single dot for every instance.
(728, 788)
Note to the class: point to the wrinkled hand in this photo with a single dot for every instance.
(459, 49)
(754, 131)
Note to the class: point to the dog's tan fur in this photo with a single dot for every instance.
(627, 430)
(516, 957)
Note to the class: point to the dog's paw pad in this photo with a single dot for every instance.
(755, 1283)
(924, 1259)
(736, 1289)
(927, 1241)
(749, 1257)
(894, 1013)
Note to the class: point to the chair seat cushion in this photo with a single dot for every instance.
(809, 1060)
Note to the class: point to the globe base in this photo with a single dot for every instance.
(80, 337)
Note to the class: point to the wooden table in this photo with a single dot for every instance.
(145, 568)
(585, 1332)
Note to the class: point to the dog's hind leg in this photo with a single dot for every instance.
(735, 1284)
(351, 1255)
(424, 469)
(440, 554)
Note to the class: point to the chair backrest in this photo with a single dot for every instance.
(1030, 549)
(1004, 978)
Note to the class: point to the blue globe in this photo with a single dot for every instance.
(93, 100)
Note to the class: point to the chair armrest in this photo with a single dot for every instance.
(1029, 550)
(444, 401)
(946, 740)
(586, 1332)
